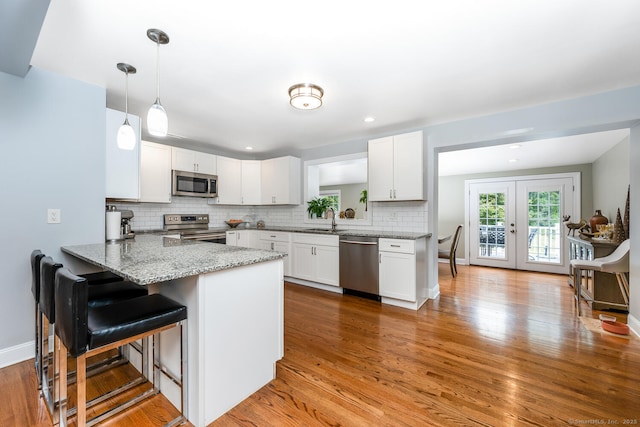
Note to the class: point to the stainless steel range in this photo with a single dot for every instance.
(194, 227)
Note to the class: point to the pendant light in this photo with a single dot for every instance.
(157, 121)
(126, 135)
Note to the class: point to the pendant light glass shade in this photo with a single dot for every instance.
(126, 138)
(157, 120)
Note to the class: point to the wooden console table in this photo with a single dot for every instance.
(595, 284)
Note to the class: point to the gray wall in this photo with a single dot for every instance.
(52, 136)
(611, 181)
(452, 198)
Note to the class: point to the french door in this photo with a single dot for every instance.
(517, 223)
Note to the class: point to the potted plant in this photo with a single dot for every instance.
(317, 206)
(363, 198)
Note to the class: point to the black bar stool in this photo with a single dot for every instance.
(99, 278)
(98, 295)
(83, 331)
(36, 256)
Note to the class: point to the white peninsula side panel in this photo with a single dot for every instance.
(235, 332)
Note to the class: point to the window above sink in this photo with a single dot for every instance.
(342, 178)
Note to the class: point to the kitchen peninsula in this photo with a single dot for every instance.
(234, 297)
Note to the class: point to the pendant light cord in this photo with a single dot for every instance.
(126, 95)
(158, 72)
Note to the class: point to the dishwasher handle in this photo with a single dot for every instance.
(354, 242)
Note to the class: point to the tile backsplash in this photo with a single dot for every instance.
(386, 216)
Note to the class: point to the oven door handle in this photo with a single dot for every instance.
(203, 236)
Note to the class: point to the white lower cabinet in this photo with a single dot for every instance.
(316, 258)
(277, 241)
(243, 238)
(402, 269)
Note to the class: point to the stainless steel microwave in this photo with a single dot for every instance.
(194, 184)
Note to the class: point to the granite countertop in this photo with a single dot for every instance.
(152, 258)
(326, 231)
(368, 233)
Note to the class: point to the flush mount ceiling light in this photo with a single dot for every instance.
(305, 96)
(157, 121)
(126, 136)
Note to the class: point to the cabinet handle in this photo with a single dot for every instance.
(394, 193)
(379, 258)
(271, 246)
(271, 235)
(395, 246)
(390, 192)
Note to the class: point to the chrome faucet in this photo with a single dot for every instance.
(333, 219)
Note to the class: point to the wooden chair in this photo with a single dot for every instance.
(451, 253)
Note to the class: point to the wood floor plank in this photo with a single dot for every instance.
(496, 348)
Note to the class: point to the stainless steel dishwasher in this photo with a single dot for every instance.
(359, 266)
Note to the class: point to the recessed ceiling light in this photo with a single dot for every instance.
(515, 146)
(248, 148)
(513, 160)
(369, 119)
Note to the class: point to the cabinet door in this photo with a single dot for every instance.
(251, 177)
(398, 276)
(183, 160)
(155, 172)
(286, 248)
(281, 181)
(122, 166)
(205, 162)
(380, 169)
(303, 261)
(244, 238)
(229, 181)
(407, 167)
(232, 238)
(327, 261)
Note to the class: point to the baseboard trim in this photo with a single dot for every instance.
(634, 325)
(18, 353)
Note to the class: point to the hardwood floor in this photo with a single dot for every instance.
(497, 348)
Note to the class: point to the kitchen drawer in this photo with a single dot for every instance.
(275, 236)
(315, 239)
(397, 245)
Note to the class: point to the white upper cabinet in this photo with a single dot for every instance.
(281, 181)
(251, 182)
(396, 168)
(229, 181)
(239, 181)
(193, 161)
(155, 172)
(122, 166)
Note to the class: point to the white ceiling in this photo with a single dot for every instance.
(570, 150)
(226, 71)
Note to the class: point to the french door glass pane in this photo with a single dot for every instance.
(491, 209)
(544, 226)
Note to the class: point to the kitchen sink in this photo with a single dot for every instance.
(324, 230)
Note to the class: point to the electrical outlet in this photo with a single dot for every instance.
(53, 216)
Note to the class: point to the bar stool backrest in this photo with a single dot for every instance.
(71, 301)
(618, 260)
(48, 270)
(36, 257)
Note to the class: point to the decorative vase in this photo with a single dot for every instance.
(596, 219)
(625, 221)
(618, 229)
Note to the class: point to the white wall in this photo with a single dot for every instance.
(52, 138)
(611, 181)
